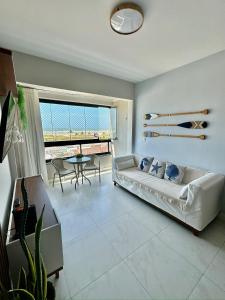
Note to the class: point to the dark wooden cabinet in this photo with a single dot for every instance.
(7, 75)
(51, 240)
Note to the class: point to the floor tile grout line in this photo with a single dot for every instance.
(136, 249)
(135, 221)
(197, 283)
(121, 261)
(204, 275)
(97, 278)
(81, 236)
(181, 255)
(125, 259)
(142, 244)
(78, 237)
(138, 279)
(107, 220)
(103, 274)
(129, 212)
(211, 263)
(146, 227)
(216, 284)
(67, 286)
(75, 210)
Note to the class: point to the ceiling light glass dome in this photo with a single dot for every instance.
(126, 18)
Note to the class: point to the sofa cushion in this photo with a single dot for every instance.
(157, 168)
(174, 173)
(145, 164)
(125, 164)
(191, 174)
(164, 187)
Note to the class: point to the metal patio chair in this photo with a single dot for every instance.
(61, 171)
(93, 165)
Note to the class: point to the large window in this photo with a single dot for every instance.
(70, 128)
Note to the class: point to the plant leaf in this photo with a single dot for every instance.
(21, 105)
(44, 279)
(31, 278)
(23, 294)
(39, 289)
(22, 281)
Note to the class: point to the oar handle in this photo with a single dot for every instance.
(158, 125)
(202, 136)
(204, 112)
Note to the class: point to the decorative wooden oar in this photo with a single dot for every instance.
(151, 116)
(189, 125)
(156, 134)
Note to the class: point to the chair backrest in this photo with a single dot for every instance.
(92, 161)
(58, 164)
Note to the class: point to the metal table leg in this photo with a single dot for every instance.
(83, 176)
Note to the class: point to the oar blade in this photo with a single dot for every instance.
(151, 134)
(204, 124)
(151, 116)
(194, 125)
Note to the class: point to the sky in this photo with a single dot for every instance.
(61, 117)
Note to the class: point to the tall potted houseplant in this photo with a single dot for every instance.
(32, 285)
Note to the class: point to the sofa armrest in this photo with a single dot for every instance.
(205, 189)
(119, 159)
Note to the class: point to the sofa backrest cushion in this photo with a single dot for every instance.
(145, 164)
(191, 174)
(157, 168)
(174, 173)
(125, 164)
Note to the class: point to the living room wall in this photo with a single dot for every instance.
(39, 71)
(196, 86)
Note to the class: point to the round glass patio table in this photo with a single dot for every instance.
(79, 162)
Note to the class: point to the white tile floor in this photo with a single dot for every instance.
(118, 247)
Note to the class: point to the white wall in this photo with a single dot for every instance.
(195, 86)
(123, 145)
(35, 70)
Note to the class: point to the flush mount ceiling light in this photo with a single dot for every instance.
(126, 18)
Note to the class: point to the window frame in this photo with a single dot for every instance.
(76, 142)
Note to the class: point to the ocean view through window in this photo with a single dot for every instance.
(71, 128)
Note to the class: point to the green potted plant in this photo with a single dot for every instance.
(32, 285)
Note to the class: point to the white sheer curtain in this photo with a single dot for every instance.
(30, 155)
(113, 127)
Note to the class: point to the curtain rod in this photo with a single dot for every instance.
(67, 92)
(50, 89)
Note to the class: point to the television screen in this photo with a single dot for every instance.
(6, 126)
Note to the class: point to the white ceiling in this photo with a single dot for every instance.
(78, 33)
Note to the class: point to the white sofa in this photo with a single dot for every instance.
(204, 190)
